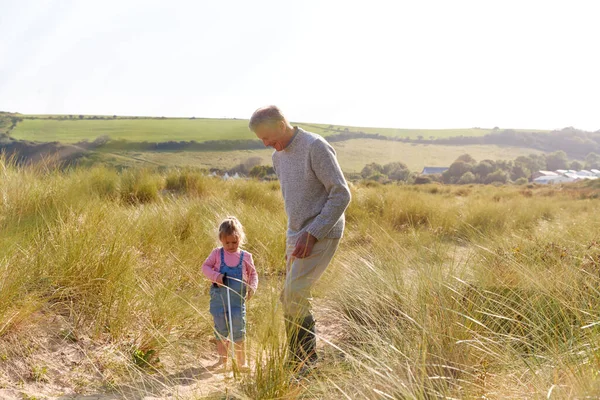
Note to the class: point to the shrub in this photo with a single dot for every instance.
(467, 179)
(521, 181)
(497, 176)
(104, 182)
(187, 182)
(139, 186)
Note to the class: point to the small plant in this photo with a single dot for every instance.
(145, 358)
(39, 374)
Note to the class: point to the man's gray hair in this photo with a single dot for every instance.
(266, 115)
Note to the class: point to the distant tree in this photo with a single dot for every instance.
(400, 174)
(467, 178)
(81, 117)
(393, 166)
(370, 170)
(250, 163)
(484, 168)
(420, 137)
(533, 162)
(576, 165)
(466, 158)
(504, 165)
(498, 176)
(519, 171)
(261, 171)
(556, 160)
(592, 161)
(114, 117)
(521, 181)
(455, 171)
(422, 180)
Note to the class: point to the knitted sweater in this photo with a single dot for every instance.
(314, 189)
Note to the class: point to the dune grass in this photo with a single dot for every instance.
(436, 291)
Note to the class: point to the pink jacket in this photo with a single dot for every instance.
(212, 264)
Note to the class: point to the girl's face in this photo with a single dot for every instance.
(230, 243)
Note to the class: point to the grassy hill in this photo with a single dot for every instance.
(128, 135)
(353, 155)
(50, 128)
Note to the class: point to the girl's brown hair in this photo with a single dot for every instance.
(231, 226)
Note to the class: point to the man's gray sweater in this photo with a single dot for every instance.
(314, 189)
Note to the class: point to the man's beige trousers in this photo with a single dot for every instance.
(302, 274)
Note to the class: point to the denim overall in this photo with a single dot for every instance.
(237, 294)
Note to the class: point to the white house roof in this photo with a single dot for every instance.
(548, 173)
(573, 176)
(595, 171)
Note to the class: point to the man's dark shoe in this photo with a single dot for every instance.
(302, 342)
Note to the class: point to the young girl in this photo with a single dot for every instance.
(230, 269)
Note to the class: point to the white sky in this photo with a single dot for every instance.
(404, 64)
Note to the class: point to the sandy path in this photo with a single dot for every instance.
(63, 369)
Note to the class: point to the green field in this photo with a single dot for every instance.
(183, 129)
(135, 130)
(353, 155)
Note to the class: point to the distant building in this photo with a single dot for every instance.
(546, 180)
(536, 175)
(433, 170)
(585, 172)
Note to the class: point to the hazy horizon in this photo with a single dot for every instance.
(431, 65)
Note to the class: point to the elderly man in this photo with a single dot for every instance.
(316, 195)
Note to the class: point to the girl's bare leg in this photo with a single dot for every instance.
(240, 354)
(222, 351)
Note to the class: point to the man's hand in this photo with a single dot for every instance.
(249, 293)
(304, 245)
(220, 279)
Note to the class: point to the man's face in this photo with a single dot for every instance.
(272, 135)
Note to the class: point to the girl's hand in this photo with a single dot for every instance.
(219, 279)
(249, 294)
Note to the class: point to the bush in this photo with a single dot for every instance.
(467, 179)
(187, 182)
(261, 171)
(422, 180)
(104, 182)
(497, 176)
(139, 186)
(521, 181)
(371, 170)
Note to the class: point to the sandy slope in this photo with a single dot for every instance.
(43, 361)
